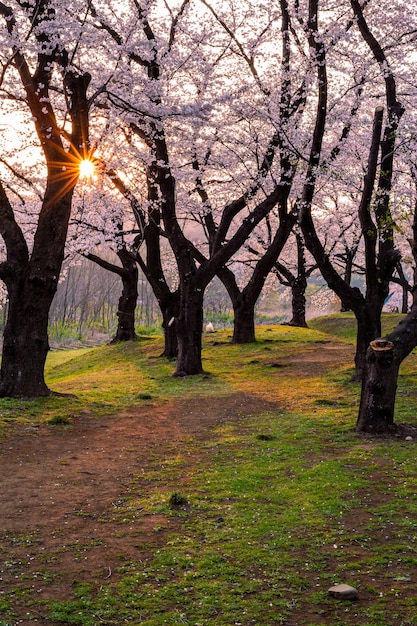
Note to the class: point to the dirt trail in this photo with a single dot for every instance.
(60, 489)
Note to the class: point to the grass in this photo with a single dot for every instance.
(343, 325)
(269, 526)
(116, 377)
(268, 512)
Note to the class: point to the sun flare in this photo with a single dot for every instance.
(87, 169)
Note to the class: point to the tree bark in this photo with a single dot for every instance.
(169, 306)
(405, 287)
(348, 258)
(368, 321)
(31, 286)
(128, 298)
(297, 284)
(25, 344)
(244, 322)
(383, 359)
(190, 328)
(243, 308)
(376, 411)
(298, 301)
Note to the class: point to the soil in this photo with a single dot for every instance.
(61, 488)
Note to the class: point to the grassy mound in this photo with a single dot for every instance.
(343, 325)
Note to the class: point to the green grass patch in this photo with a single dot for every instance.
(343, 325)
(115, 377)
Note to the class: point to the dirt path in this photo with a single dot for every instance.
(60, 488)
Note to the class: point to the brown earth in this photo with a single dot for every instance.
(61, 488)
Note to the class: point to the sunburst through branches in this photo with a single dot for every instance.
(87, 169)
(72, 167)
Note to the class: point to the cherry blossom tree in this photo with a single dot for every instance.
(175, 127)
(151, 261)
(111, 215)
(385, 355)
(375, 206)
(39, 83)
(381, 255)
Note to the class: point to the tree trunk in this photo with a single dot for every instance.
(298, 289)
(190, 328)
(405, 287)
(25, 344)
(368, 329)
(299, 286)
(31, 286)
(379, 386)
(128, 299)
(298, 307)
(243, 303)
(170, 337)
(376, 411)
(404, 302)
(244, 321)
(31, 277)
(349, 258)
(169, 306)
